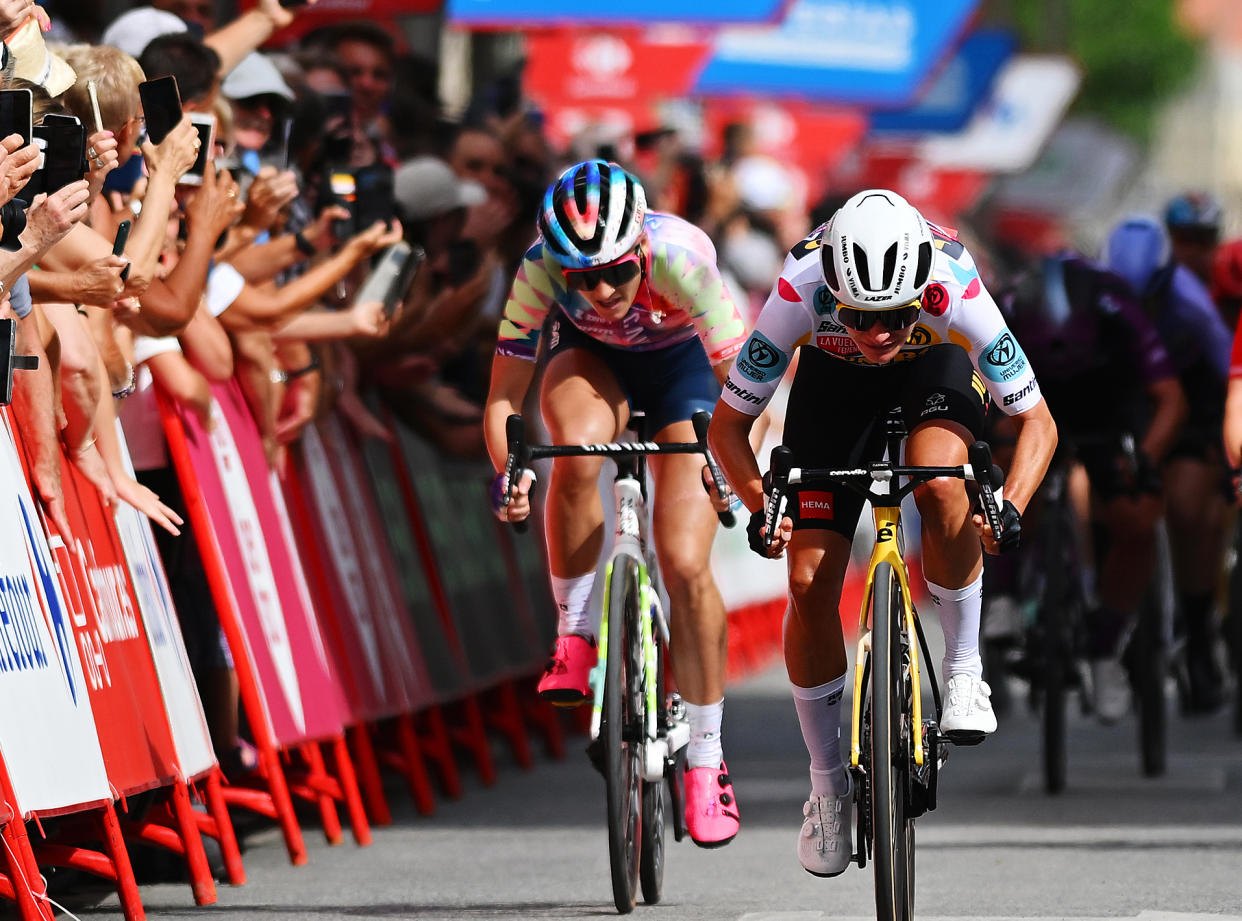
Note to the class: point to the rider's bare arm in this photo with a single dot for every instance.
(1169, 411)
(1037, 440)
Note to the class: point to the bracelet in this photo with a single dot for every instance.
(280, 376)
(131, 384)
(305, 245)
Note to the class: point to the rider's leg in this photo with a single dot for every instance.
(1197, 513)
(815, 651)
(952, 557)
(581, 403)
(684, 524)
(815, 660)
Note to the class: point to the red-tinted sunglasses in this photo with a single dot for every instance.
(616, 274)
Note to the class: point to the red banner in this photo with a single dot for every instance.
(375, 644)
(813, 138)
(125, 695)
(942, 195)
(613, 79)
(246, 520)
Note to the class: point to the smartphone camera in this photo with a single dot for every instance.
(205, 125)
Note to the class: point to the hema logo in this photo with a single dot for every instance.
(816, 503)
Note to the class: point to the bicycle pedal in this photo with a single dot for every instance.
(595, 754)
(965, 736)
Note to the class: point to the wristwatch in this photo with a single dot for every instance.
(281, 376)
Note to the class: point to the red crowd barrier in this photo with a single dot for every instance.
(377, 615)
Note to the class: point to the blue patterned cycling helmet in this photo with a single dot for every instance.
(1137, 249)
(592, 214)
(1193, 211)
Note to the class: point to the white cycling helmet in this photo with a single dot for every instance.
(876, 251)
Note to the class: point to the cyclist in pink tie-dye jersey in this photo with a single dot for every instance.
(627, 311)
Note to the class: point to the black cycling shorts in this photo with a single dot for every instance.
(669, 384)
(836, 419)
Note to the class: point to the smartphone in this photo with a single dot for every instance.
(205, 124)
(94, 95)
(375, 196)
(406, 279)
(122, 235)
(118, 246)
(64, 155)
(292, 4)
(463, 261)
(161, 106)
(344, 192)
(336, 106)
(16, 114)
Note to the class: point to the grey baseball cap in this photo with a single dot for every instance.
(427, 187)
(255, 76)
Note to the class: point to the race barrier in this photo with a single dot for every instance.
(291, 695)
(377, 614)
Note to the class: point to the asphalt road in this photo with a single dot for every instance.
(533, 846)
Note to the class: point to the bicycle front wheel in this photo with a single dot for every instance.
(621, 731)
(893, 831)
(651, 866)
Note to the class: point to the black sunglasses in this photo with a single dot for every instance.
(893, 319)
(615, 274)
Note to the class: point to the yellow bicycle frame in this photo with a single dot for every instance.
(886, 550)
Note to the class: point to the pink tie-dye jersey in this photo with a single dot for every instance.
(682, 296)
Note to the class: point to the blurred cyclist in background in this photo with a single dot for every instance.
(1193, 221)
(1085, 330)
(1195, 478)
(637, 317)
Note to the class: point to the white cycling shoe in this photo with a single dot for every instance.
(967, 716)
(826, 843)
(1110, 685)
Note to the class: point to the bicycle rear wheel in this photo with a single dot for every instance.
(892, 830)
(621, 732)
(1054, 658)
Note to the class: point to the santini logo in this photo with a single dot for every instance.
(742, 392)
(1012, 398)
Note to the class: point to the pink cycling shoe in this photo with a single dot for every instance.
(566, 682)
(711, 808)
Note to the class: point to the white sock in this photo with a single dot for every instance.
(959, 619)
(572, 596)
(819, 715)
(705, 749)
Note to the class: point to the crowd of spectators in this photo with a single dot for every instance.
(322, 156)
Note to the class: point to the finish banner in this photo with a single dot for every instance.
(41, 678)
(249, 526)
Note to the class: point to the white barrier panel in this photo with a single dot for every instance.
(195, 755)
(47, 731)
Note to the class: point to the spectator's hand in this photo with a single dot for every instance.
(17, 164)
(485, 222)
(149, 504)
(103, 158)
(89, 461)
(375, 238)
(13, 13)
(369, 319)
(269, 194)
(99, 283)
(279, 16)
(298, 407)
(50, 217)
(320, 234)
(176, 153)
(215, 206)
(360, 417)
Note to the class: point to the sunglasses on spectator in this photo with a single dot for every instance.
(616, 274)
(892, 319)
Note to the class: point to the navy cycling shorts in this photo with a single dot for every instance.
(669, 385)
